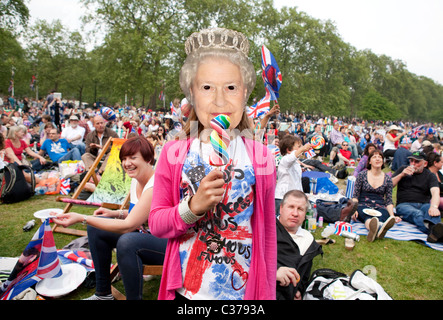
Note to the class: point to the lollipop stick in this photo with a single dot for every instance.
(220, 141)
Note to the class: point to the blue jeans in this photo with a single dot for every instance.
(133, 250)
(417, 213)
(73, 154)
(81, 147)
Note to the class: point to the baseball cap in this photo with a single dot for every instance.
(418, 155)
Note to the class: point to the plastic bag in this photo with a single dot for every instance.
(327, 185)
(71, 168)
(48, 186)
(327, 284)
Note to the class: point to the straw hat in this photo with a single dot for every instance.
(393, 127)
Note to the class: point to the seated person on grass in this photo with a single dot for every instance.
(342, 157)
(296, 247)
(418, 196)
(57, 149)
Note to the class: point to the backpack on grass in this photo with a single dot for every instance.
(327, 284)
(13, 186)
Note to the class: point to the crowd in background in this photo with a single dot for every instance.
(160, 126)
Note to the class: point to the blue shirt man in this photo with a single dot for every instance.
(58, 149)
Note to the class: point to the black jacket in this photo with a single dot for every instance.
(288, 255)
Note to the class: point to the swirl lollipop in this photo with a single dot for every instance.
(317, 142)
(220, 140)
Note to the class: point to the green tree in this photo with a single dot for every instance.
(377, 107)
(54, 51)
(143, 51)
(13, 14)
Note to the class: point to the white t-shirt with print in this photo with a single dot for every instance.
(215, 254)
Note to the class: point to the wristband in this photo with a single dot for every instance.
(434, 206)
(185, 212)
(85, 221)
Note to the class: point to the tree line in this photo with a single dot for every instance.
(143, 49)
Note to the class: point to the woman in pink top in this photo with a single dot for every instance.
(220, 222)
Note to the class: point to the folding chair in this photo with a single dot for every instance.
(112, 191)
(153, 270)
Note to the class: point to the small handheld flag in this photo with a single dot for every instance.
(272, 79)
(310, 153)
(271, 73)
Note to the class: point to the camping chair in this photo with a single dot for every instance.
(112, 191)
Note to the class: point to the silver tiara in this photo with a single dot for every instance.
(217, 38)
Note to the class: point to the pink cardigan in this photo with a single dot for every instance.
(165, 221)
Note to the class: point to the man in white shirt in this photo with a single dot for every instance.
(296, 247)
(74, 134)
(417, 144)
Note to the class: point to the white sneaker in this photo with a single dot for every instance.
(148, 277)
(96, 297)
(388, 224)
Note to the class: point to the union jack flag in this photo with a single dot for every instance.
(65, 186)
(416, 131)
(341, 226)
(32, 83)
(11, 85)
(39, 260)
(161, 96)
(260, 108)
(174, 111)
(271, 73)
(272, 79)
(406, 140)
(78, 256)
(310, 153)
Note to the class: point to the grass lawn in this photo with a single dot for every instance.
(406, 270)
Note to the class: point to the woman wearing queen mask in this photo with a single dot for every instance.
(220, 222)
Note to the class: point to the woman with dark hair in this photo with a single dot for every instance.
(124, 229)
(434, 165)
(161, 140)
(364, 159)
(365, 141)
(373, 191)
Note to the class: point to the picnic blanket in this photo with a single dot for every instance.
(403, 231)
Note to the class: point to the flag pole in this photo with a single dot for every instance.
(13, 81)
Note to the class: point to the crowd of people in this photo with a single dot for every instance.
(234, 232)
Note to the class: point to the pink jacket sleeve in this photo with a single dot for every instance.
(164, 219)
